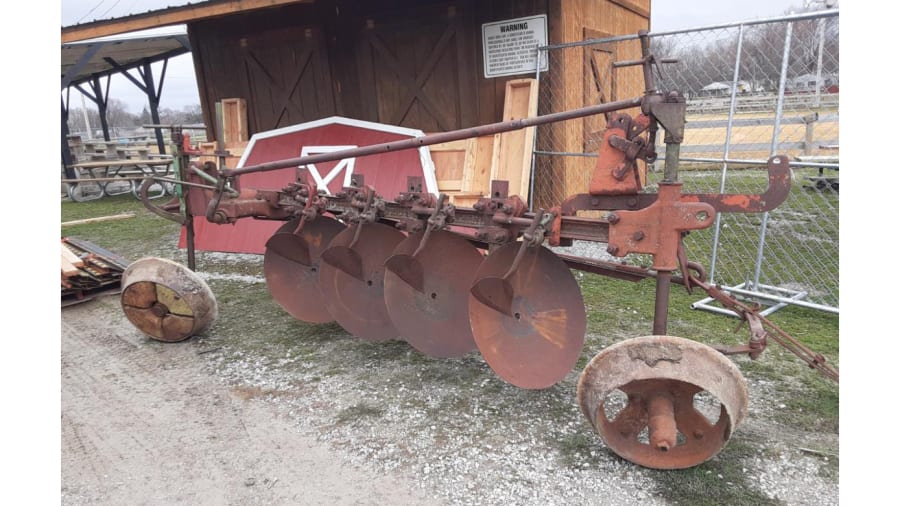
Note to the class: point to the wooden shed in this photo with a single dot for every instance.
(411, 63)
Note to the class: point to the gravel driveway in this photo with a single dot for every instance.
(263, 409)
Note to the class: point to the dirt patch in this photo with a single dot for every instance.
(143, 423)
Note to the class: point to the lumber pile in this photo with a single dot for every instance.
(464, 169)
(87, 270)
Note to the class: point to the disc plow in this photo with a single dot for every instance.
(450, 280)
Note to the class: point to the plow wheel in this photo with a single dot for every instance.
(435, 320)
(663, 402)
(539, 341)
(356, 300)
(165, 300)
(291, 266)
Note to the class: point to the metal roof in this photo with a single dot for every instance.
(81, 61)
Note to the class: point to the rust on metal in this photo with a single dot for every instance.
(356, 302)
(657, 228)
(661, 377)
(539, 342)
(449, 280)
(294, 284)
(165, 300)
(435, 318)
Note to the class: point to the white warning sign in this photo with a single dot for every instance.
(510, 46)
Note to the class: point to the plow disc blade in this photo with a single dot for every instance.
(496, 293)
(290, 246)
(293, 278)
(407, 267)
(357, 302)
(433, 319)
(345, 259)
(539, 341)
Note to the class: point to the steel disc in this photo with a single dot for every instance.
(165, 300)
(293, 285)
(358, 304)
(540, 341)
(435, 320)
(679, 371)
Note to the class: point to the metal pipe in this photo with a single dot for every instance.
(778, 110)
(670, 172)
(787, 300)
(821, 29)
(728, 129)
(760, 162)
(537, 78)
(439, 138)
(661, 306)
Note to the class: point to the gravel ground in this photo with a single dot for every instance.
(459, 433)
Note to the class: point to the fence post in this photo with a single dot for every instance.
(809, 122)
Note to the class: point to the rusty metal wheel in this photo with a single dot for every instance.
(291, 265)
(539, 341)
(663, 402)
(165, 300)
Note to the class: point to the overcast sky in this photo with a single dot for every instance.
(180, 87)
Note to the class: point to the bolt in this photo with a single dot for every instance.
(637, 236)
(612, 218)
(612, 249)
(698, 434)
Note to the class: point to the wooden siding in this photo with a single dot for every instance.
(417, 64)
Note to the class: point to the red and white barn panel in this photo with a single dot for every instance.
(386, 172)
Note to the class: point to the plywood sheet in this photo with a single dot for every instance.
(513, 150)
(449, 161)
(234, 122)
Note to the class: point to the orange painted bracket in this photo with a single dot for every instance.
(657, 229)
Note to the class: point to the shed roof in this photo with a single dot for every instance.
(81, 61)
(169, 16)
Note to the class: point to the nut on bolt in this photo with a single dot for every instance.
(612, 249)
(613, 218)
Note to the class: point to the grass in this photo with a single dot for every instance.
(721, 480)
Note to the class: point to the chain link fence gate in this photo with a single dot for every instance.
(753, 89)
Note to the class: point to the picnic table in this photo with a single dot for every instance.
(98, 178)
(830, 162)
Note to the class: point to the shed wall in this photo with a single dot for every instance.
(416, 64)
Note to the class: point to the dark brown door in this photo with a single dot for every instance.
(288, 77)
(416, 70)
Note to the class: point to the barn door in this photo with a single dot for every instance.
(599, 86)
(416, 70)
(288, 77)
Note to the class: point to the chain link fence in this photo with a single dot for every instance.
(753, 90)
